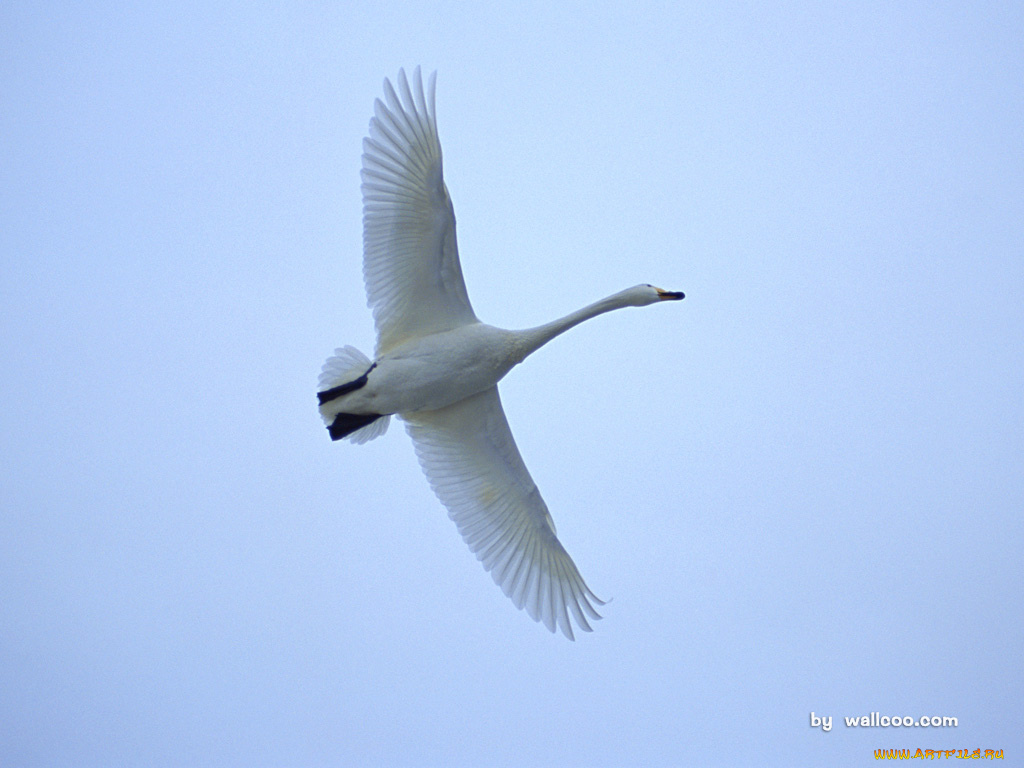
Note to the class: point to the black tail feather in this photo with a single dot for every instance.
(345, 424)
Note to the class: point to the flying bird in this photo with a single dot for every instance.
(436, 366)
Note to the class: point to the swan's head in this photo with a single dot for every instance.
(642, 295)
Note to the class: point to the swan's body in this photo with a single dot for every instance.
(437, 366)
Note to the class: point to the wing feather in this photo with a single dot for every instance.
(411, 267)
(470, 458)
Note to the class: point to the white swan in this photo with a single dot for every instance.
(437, 366)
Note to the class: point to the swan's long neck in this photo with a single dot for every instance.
(532, 339)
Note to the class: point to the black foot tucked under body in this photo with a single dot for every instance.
(343, 389)
(345, 424)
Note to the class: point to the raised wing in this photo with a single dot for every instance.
(410, 259)
(468, 455)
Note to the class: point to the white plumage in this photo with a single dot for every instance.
(437, 366)
(410, 258)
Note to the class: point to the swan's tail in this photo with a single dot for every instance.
(346, 372)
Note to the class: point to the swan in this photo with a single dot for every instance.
(436, 366)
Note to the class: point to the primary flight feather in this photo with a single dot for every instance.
(437, 366)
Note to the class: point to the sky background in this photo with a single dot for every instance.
(801, 487)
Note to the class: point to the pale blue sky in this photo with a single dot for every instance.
(802, 486)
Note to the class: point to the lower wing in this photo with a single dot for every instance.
(470, 458)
